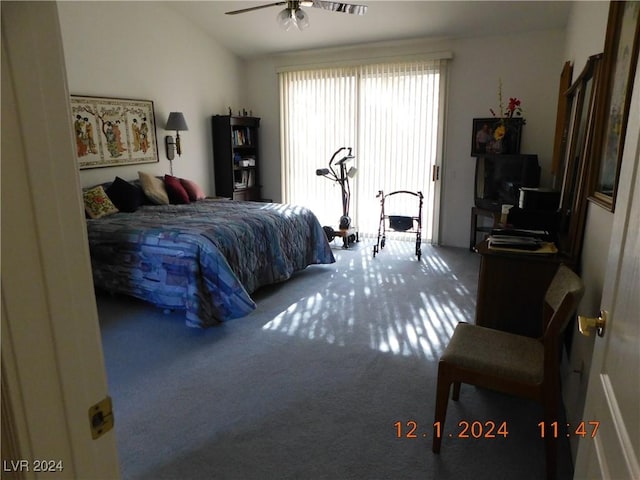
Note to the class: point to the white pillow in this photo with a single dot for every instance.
(153, 188)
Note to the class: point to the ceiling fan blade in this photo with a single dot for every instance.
(250, 9)
(341, 7)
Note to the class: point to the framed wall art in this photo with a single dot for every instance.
(557, 166)
(113, 131)
(620, 60)
(496, 136)
(577, 145)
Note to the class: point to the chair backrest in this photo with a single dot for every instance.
(562, 297)
(560, 302)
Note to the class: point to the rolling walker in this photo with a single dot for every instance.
(399, 223)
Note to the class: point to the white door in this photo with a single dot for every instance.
(52, 363)
(613, 395)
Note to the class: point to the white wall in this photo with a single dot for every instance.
(528, 64)
(143, 50)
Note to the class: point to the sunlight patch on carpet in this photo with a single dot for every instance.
(372, 308)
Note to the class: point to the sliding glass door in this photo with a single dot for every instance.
(390, 114)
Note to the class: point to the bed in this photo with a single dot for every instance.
(205, 257)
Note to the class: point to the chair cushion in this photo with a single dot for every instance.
(496, 352)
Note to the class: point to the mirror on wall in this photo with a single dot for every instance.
(576, 148)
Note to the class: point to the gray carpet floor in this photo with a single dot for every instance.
(317, 383)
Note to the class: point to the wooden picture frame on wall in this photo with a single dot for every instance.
(619, 63)
(557, 167)
(496, 136)
(577, 148)
(113, 131)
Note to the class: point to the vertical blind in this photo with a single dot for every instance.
(389, 113)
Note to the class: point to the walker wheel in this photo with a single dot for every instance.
(330, 233)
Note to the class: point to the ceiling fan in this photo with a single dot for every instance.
(292, 14)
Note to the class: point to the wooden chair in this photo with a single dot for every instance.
(513, 364)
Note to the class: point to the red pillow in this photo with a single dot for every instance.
(175, 190)
(193, 189)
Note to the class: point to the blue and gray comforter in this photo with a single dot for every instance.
(206, 257)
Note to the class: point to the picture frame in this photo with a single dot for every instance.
(577, 144)
(485, 141)
(560, 137)
(620, 58)
(113, 131)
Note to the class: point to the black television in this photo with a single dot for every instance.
(499, 178)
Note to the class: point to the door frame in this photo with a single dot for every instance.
(52, 362)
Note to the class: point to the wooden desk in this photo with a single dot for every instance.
(511, 289)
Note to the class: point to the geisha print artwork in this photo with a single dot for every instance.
(112, 131)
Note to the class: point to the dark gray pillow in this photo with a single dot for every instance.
(125, 196)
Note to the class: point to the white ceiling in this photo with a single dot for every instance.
(257, 33)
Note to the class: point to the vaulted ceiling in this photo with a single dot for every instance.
(257, 33)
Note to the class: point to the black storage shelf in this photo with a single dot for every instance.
(236, 157)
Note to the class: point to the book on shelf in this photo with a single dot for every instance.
(246, 179)
(242, 136)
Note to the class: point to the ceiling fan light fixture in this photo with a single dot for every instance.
(289, 17)
(302, 19)
(292, 14)
(285, 19)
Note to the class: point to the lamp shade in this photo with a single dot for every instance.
(176, 122)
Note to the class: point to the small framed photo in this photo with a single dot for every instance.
(113, 131)
(496, 136)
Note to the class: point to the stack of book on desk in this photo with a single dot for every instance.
(520, 240)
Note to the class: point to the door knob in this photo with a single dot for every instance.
(586, 324)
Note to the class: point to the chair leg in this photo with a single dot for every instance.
(456, 391)
(442, 399)
(551, 452)
(551, 414)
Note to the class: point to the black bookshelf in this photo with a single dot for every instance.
(236, 157)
